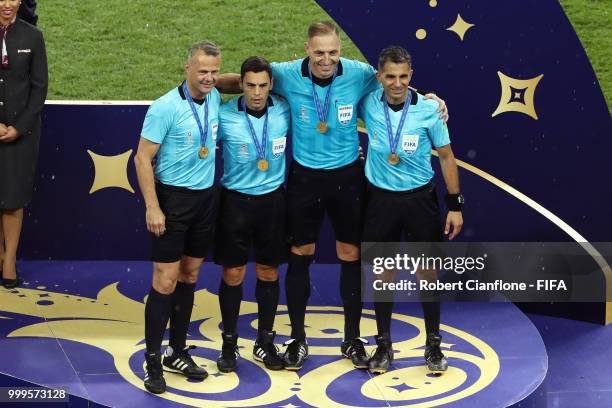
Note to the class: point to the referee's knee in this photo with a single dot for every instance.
(234, 276)
(306, 249)
(266, 272)
(347, 252)
(165, 276)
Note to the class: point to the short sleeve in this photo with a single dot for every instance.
(370, 83)
(281, 76)
(438, 131)
(361, 107)
(216, 97)
(157, 122)
(224, 117)
(286, 110)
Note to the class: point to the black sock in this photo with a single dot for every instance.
(431, 312)
(297, 287)
(180, 314)
(383, 310)
(350, 291)
(266, 293)
(229, 301)
(157, 313)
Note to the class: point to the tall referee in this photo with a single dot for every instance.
(253, 129)
(326, 176)
(403, 127)
(323, 91)
(179, 130)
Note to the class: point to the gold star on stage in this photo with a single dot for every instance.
(460, 27)
(110, 171)
(517, 95)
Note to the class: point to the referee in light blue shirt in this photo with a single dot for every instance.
(402, 130)
(179, 130)
(253, 130)
(326, 176)
(323, 91)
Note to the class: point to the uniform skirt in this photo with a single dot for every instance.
(17, 168)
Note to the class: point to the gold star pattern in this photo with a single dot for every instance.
(110, 171)
(421, 33)
(460, 27)
(517, 95)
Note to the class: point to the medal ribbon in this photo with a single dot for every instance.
(260, 147)
(203, 132)
(321, 112)
(393, 141)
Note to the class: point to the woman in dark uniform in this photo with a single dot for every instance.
(23, 89)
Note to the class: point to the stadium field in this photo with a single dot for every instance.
(133, 50)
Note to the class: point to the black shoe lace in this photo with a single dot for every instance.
(271, 350)
(154, 372)
(184, 355)
(293, 349)
(358, 348)
(381, 352)
(434, 354)
(229, 350)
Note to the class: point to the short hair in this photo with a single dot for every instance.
(207, 47)
(255, 64)
(322, 28)
(395, 54)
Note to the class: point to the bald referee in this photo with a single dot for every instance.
(403, 127)
(326, 177)
(179, 130)
(253, 129)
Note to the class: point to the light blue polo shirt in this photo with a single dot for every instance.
(423, 129)
(240, 172)
(170, 123)
(339, 146)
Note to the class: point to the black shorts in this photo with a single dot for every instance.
(247, 220)
(313, 192)
(412, 215)
(190, 222)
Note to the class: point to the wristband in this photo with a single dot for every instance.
(454, 202)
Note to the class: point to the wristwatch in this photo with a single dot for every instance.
(454, 202)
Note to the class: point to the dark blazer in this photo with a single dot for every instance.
(23, 84)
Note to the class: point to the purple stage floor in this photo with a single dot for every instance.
(80, 325)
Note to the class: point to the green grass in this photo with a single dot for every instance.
(134, 49)
(118, 49)
(591, 20)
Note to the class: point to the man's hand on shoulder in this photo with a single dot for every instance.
(441, 106)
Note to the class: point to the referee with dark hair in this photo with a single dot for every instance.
(180, 131)
(403, 127)
(253, 130)
(326, 177)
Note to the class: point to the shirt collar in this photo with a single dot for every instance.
(198, 101)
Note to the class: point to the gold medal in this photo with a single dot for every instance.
(203, 153)
(263, 165)
(394, 158)
(322, 127)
